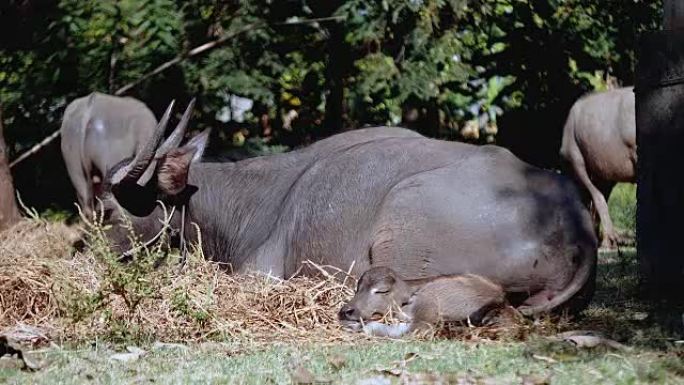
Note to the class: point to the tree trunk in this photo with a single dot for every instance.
(8, 205)
(673, 15)
(660, 137)
(338, 62)
(338, 57)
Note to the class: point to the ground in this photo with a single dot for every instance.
(500, 362)
(655, 352)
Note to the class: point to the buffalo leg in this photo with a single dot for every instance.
(597, 198)
(606, 189)
(81, 182)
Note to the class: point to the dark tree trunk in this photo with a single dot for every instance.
(338, 56)
(8, 205)
(338, 65)
(673, 15)
(660, 137)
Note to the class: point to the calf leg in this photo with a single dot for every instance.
(424, 313)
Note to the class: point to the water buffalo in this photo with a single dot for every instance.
(98, 131)
(420, 303)
(381, 196)
(599, 147)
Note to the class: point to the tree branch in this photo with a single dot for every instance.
(35, 148)
(163, 67)
(213, 44)
(193, 52)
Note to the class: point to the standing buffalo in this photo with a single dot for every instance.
(599, 145)
(380, 196)
(98, 131)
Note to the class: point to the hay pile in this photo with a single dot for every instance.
(31, 258)
(78, 296)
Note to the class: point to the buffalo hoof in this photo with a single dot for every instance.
(610, 239)
(610, 242)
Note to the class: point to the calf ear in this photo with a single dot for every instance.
(172, 174)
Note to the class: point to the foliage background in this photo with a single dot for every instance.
(502, 71)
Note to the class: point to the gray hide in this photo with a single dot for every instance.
(98, 131)
(380, 196)
(599, 147)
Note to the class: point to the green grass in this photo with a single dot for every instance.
(622, 207)
(502, 362)
(616, 311)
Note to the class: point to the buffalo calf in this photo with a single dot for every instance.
(422, 303)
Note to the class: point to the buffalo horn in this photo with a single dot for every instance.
(177, 135)
(170, 143)
(133, 170)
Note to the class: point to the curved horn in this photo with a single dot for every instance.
(177, 135)
(170, 143)
(133, 170)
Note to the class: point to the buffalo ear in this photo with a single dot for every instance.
(172, 175)
(199, 142)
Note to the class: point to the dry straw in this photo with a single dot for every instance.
(44, 282)
(33, 255)
(80, 296)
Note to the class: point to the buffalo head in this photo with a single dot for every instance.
(158, 173)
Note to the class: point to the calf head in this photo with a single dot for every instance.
(158, 173)
(378, 291)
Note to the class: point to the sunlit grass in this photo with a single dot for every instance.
(622, 207)
(500, 362)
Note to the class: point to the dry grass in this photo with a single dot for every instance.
(81, 296)
(32, 258)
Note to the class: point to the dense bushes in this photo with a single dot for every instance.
(480, 70)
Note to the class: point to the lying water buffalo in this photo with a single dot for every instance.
(380, 196)
(599, 147)
(420, 303)
(98, 131)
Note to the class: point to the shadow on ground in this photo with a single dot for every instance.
(619, 310)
